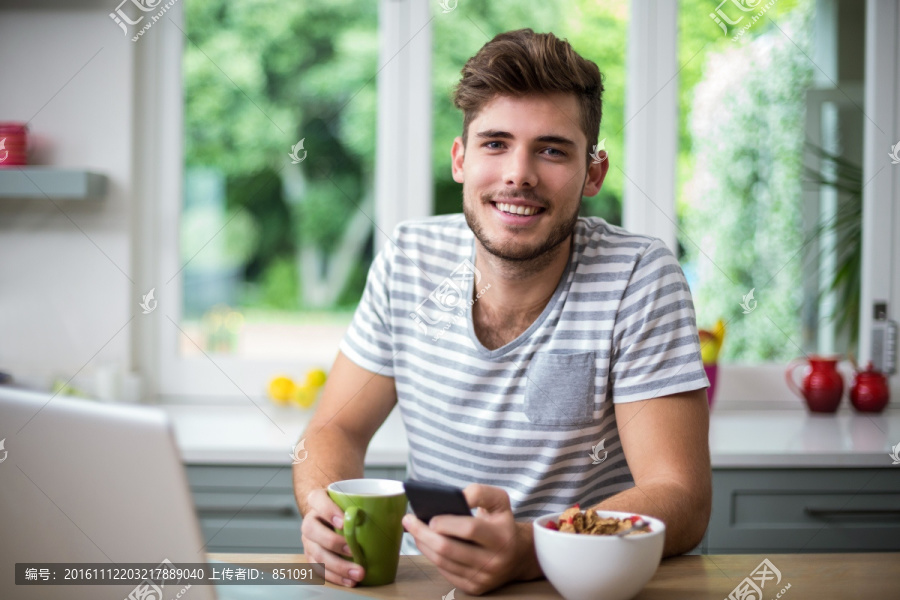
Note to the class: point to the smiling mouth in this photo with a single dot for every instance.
(513, 209)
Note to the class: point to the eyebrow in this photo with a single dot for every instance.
(550, 139)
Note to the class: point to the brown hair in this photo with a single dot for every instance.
(524, 62)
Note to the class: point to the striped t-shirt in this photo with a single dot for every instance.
(535, 416)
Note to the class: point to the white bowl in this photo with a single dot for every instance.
(599, 567)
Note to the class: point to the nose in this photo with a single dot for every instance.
(519, 169)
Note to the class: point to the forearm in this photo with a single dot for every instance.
(529, 568)
(685, 512)
(332, 456)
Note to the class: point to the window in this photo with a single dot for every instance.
(279, 158)
(769, 173)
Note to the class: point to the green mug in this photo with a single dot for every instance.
(373, 510)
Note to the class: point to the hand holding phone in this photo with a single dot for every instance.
(431, 499)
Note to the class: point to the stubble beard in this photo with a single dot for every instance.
(526, 260)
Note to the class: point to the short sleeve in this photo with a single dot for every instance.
(656, 351)
(369, 341)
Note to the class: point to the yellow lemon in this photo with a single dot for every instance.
(304, 397)
(315, 378)
(281, 389)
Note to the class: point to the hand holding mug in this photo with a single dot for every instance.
(322, 544)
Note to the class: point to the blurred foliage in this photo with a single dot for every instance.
(280, 285)
(596, 30)
(740, 171)
(349, 296)
(698, 35)
(268, 210)
(210, 239)
(259, 75)
(323, 214)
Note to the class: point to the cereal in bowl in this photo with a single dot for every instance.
(575, 520)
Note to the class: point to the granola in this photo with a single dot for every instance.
(575, 520)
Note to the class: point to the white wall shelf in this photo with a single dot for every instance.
(41, 182)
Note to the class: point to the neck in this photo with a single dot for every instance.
(520, 287)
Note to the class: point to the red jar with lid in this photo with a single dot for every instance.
(13, 144)
(870, 391)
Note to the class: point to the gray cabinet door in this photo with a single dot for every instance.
(804, 510)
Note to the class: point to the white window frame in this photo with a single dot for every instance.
(404, 188)
(651, 120)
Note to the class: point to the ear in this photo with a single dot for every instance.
(595, 175)
(457, 154)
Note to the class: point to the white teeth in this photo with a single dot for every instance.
(517, 210)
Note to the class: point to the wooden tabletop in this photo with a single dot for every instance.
(873, 576)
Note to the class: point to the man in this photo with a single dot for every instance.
(516, 338)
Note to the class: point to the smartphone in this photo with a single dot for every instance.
(432, 499)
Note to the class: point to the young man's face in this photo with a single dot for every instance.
(525, 155)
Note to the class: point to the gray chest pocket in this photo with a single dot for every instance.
(559, 389)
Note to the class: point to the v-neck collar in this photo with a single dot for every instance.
(574, 253)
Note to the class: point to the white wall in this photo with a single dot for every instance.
(64, 278)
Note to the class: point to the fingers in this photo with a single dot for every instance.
(338, 570)
(437, 548)
(477, 530)
(451, 547)
(488, 497)
(324, 515)
(323, 545)
(320, 502)
(323, 535)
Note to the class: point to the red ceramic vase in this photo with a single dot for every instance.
(822, 387)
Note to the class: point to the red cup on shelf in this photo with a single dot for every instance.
(13, 144)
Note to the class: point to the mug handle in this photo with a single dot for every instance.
(789, 376)
(353, 518)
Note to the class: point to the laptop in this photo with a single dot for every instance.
(83, 482)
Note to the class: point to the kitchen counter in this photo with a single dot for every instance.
(264, 435)
(760, 438)
(798, 438)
